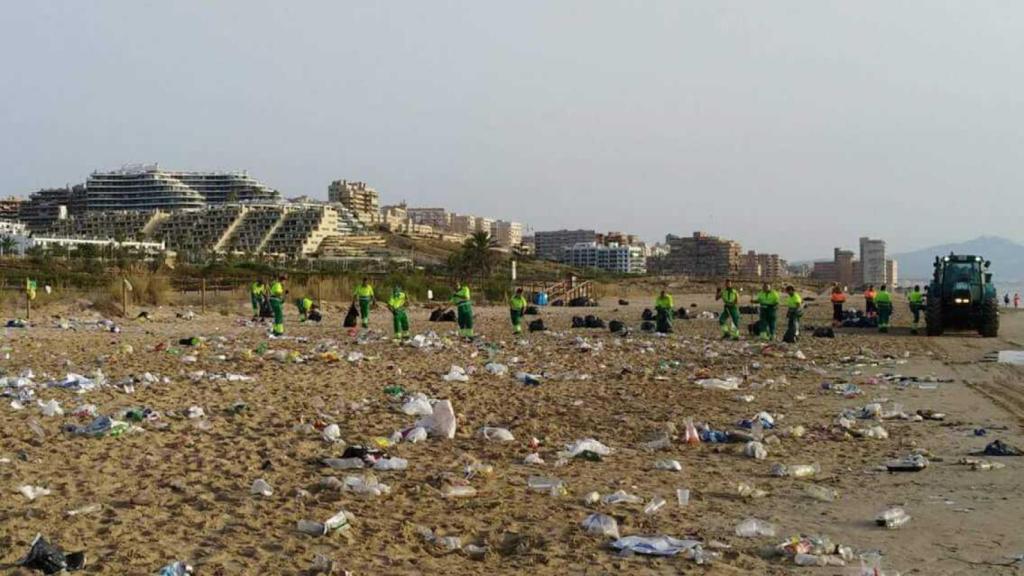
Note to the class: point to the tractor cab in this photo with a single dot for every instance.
(962, 296)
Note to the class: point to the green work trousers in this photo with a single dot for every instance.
(729, 320)
(464, 313)
(277, 305)
(884, 314)
(769, 315)
(364, 311)
(517, 320)
(401, 322)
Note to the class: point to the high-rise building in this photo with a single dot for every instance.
(872, 261)
(150, 188)
(47, 206)
(843, 260)
(507, 234)
(702, 255)
(612, 257)
(360, 199)
(549, 245)
(892, 273)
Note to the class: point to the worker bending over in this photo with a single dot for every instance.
(256, 292)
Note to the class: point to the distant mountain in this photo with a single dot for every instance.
(1006, 255)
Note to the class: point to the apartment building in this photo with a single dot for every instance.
(150, 188)
(507, 234)
(702, 255)
(611, 258)
(358, 198)
(549, 244)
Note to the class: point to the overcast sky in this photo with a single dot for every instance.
(789, 126)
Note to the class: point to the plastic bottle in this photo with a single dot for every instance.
(553, 486)
(393, 463)
(344, 463)
(656, 503)
(458, 491)
(821, 493)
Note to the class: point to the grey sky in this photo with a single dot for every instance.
(790, 126)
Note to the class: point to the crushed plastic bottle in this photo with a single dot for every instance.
(391, 464)
(754, 528)
(622, 497)
(893, 518)
(670, 465)
(656, 503)
(746, 490)
(552, 486)
(821, 493)
(450, 491)
(496, 434)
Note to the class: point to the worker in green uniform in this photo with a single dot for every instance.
(768, 301)
(916, 299)
(664, 311)
(729, 320)
(464, 310)
(516, 308)
(277, 293)
(256, 291)
(794, 310)
(364, 295)
(305, 306)
(883, 302)
(397, 304)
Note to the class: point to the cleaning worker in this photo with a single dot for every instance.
(277, 293)
(870, 309)
(305, 306)
(665, 311)
(464, 309)
(364, 295)
(794, 310)
(729, 320)
(768, 301)
(883, 302)
(838, 298)
(916, 299)
(516, 308)
(397, 303)
(256, 291)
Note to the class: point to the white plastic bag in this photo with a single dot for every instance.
(601, 525)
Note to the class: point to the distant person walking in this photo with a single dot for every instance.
(516, 309)
(464, 310)
(794, 310)
(364, 296)
(838, 297)
(729, 319)
(1016, 300)
(1006, 299)
(664, 310)
(916, 299)
(870, 310)
(768, 301)
(277, 293)
(883, 301)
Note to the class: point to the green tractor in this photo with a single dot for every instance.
(962, 296)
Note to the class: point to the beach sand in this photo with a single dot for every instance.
(179, 489)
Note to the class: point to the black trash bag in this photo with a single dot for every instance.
(577, 322)
(616, 326)
(265, 310)
(748, 310)
(647, 326)
(558, 302)
(789, 337)
(144, 315)
(449, 316)
(592, 321)
(435, 315)
(314, 315)
(1000, 448)
(50, 559)
(537, 326)
(754, 328)
(531, 311)
(579, 301)
(647, 315)
(824, 332)
(682, 314)
(351, 317)
(623, 302)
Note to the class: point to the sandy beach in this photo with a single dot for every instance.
(178, 488)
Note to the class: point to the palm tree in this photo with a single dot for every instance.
(477, 255)
(7, 245)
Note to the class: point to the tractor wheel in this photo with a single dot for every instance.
(989, 324)
(933, 317)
